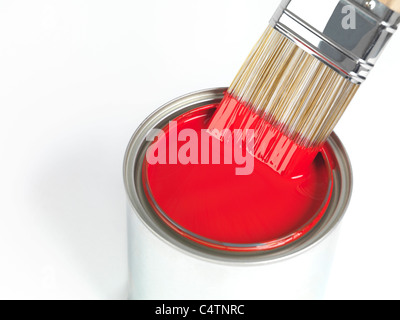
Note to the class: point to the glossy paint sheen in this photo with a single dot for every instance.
(210, 204)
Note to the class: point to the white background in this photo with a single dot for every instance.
(76, 79)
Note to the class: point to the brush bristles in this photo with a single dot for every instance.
(292, 90)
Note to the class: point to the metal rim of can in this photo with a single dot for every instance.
(342, 183)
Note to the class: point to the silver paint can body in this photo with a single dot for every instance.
(164, 265)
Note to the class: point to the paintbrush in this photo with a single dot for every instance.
(301, 76)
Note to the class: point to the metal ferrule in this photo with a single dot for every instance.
(347, 35)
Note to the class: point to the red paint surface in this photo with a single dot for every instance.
(271, 146)
(213, 206)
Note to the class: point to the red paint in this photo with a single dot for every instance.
(211, 205)
(271, 146)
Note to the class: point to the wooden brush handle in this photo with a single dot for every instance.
(392, 4)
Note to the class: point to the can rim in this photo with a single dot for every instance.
(343, 182)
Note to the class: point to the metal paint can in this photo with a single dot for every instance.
(166, 266)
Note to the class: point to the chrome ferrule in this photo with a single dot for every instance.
(347, 35)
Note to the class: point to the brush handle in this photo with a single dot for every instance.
(392, 4)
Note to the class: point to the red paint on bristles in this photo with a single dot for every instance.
(291, 100)
(271, 146)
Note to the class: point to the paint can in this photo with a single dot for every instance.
(164, 265)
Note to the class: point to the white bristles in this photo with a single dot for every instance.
(292, 90)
